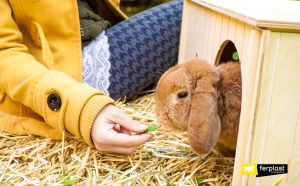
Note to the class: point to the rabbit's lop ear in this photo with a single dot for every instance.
(204, 123)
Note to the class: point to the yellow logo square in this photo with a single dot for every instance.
(249, 169)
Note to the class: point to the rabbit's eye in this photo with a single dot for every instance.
(182, 94)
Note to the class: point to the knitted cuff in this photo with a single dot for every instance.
(89, 113)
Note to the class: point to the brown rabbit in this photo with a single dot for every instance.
(203, 100)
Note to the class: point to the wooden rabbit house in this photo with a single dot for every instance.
(266, 35)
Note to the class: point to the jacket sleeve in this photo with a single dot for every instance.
(27, 81)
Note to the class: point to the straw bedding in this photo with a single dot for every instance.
(166, 160)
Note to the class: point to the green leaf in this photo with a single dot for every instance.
(152, 128)
(199, 180)
(235, 56)
(169, 184)
(70, 182)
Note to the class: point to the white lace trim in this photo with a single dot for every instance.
(96, 64)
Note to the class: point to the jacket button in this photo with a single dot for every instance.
(54, 102)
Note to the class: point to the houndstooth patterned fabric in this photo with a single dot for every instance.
(141, 49)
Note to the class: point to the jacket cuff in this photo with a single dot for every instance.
(89, 113)
(78, 105)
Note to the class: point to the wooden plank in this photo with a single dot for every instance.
(283, 106)
(295, 156)
(250, 78)
(203, 39)
(184, 32)
(196, 33)
(231, 29)
(210, 38)
(225, 27)
(198, 21)
(239, 38)
(245, 46)
(294, 171)
(261, 124)
(217, 37)
(190, 31)
(275, 15)
(223, 37)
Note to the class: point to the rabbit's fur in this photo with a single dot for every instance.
(203, 100)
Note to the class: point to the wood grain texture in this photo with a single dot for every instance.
(276, 15)
(278, 106)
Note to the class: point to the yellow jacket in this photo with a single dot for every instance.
(41, 69)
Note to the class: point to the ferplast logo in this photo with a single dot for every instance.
(271, 169)
(264, 169)
(249, 169)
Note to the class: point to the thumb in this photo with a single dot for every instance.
(129, 124)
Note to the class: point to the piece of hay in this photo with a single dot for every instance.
(166, 160)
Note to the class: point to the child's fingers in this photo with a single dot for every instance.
(131, 125)
(125, 140)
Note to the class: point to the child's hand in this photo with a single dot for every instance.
(112, 129)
